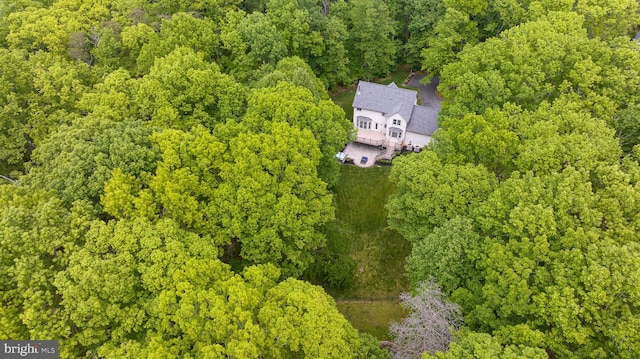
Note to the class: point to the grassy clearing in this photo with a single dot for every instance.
(379, 252)
(372, 317)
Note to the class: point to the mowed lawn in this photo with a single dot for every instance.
(379, 252)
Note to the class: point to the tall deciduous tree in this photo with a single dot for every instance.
(297, 107)
(430, 193)
(183, 90)
(16, 85)
(538, 61)
(37, 234)
(371, 45)
(271, 199)
(470, 345)
(76, 161)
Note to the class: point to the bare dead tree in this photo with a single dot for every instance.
(429, 325)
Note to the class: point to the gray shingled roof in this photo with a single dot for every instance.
(424, 120)
(386, 99)
(637, 38)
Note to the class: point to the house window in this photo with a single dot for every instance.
(359, 109)
(376, 126)
(384, 114)
(364, 124)
(396, 122)
(395, 132)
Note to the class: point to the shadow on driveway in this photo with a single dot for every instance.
(428, 95)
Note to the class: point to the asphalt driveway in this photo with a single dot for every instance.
(428, 94)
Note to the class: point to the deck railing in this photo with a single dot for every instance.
(369, 141)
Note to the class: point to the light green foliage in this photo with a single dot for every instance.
(58, 84)
(50, 28)
(183, 90)
(294, 70)
(206, 311)
(112, 99)
(539, 61)
(607, 19)
(37, 233)
(183, 182)
(271, 198)
(111, 285)
(141, 288)
(16, 85)
(473, 21)
(486, 139)
(470, 345)
(556, 136)
(212, 9)
(76, 161)
(260, 189)
(430, 193)
(545, 140)
(555, 237)
(370, 348)
(297, 106)
(181, 30)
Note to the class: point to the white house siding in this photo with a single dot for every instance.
(376, 119)
(417, 139)
(402, 126)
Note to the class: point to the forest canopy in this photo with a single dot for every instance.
(166, 167)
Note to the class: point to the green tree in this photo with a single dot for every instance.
(260, 190)
(371, 46)
(76, 161)
(180, 31)
(430, 192)
(49, 28)
(37, 234)
(539, 61)
(447, 254)
(58, 85)
(271, 199)
(470, 345)
(422, 18)
(16, 86)
(294, 70)
(555, 237)
(487, 139)
(297, 106)
(183, 90)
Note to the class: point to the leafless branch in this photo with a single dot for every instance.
(428, 328)
(10, 180)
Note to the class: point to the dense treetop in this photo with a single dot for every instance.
(166, 167)
(525, 207)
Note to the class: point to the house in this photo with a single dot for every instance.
(390, 117)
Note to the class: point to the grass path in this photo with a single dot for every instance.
(379, 252)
